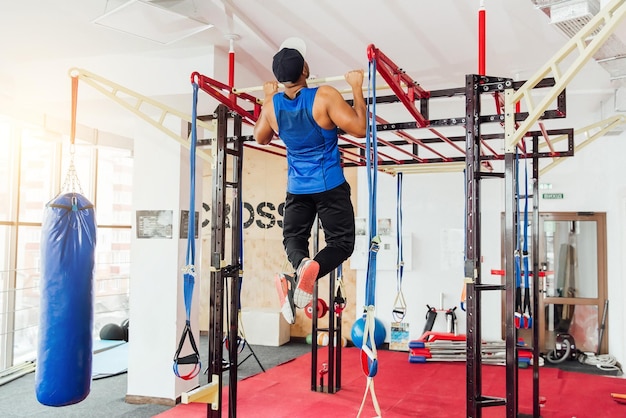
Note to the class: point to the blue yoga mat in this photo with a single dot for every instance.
(111, 360)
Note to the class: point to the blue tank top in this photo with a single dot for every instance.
(314, 162)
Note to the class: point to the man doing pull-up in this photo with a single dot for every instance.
(307, 121)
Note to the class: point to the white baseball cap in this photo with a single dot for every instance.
(288, 63)
(294, 43)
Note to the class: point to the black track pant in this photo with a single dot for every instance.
(336, 214)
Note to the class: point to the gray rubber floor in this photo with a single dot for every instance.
(106, 399)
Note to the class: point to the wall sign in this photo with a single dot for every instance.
(154, 224)
(552, 196)
(264, 215)
(184, 224)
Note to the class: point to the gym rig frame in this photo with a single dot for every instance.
(225, 145)
(476, 153)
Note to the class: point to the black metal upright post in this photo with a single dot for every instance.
(220, 272)
(314, 330)
(510, 235)
(336, 313)
(332, 341)
(472, 238)
(510, 202)
(333, 373)
(475, 85)
(235, 151)
(536, 279)
(218, 231)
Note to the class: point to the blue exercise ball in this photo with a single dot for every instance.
(380, 332)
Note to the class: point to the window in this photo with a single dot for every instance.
(6, 174)
(35, 166)
(115, 175)
(37, 175)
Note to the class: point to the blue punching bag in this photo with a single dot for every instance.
(64, 352)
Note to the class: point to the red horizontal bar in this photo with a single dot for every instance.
(502, 273)
(395, 76)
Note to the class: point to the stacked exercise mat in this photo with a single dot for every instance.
(438, 346)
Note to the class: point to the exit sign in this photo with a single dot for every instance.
(552, 195)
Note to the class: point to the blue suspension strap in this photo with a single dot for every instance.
(372, 182)
(518, 265)
(399, 308)
(369, 357)
(189, 271)
(527, 320)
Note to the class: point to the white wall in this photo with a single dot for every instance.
(157, 311)
(433, 214)
(164, 77)
(593, 181)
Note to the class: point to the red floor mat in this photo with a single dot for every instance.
(403, 389)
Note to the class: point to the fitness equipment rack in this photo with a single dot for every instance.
(225, 147)
(474, 158)
(475, 86)
(477, 151)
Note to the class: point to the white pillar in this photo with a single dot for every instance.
(157, 309)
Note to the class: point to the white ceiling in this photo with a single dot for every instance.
(434, 41)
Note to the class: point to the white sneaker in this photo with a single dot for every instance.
(307, 275)
(285, 287)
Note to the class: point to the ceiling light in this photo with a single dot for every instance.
(150, 21)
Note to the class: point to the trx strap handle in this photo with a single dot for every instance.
(369, 360)
(340, 300)
(451, 320)
(431, 316)
(189, 272)
(241, 344)
(399, 307)
(369, 357)
(399, 310)
(193, 358)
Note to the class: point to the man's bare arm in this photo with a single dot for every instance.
(263, 131)
(352, 120)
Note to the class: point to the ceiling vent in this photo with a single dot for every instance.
(151, 20)
(570, 16)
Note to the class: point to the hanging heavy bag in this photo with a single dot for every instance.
(64, 352)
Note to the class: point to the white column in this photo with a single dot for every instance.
(157, 310)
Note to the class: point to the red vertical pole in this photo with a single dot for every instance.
(481, 38)
(74, 106)
(231, 67)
